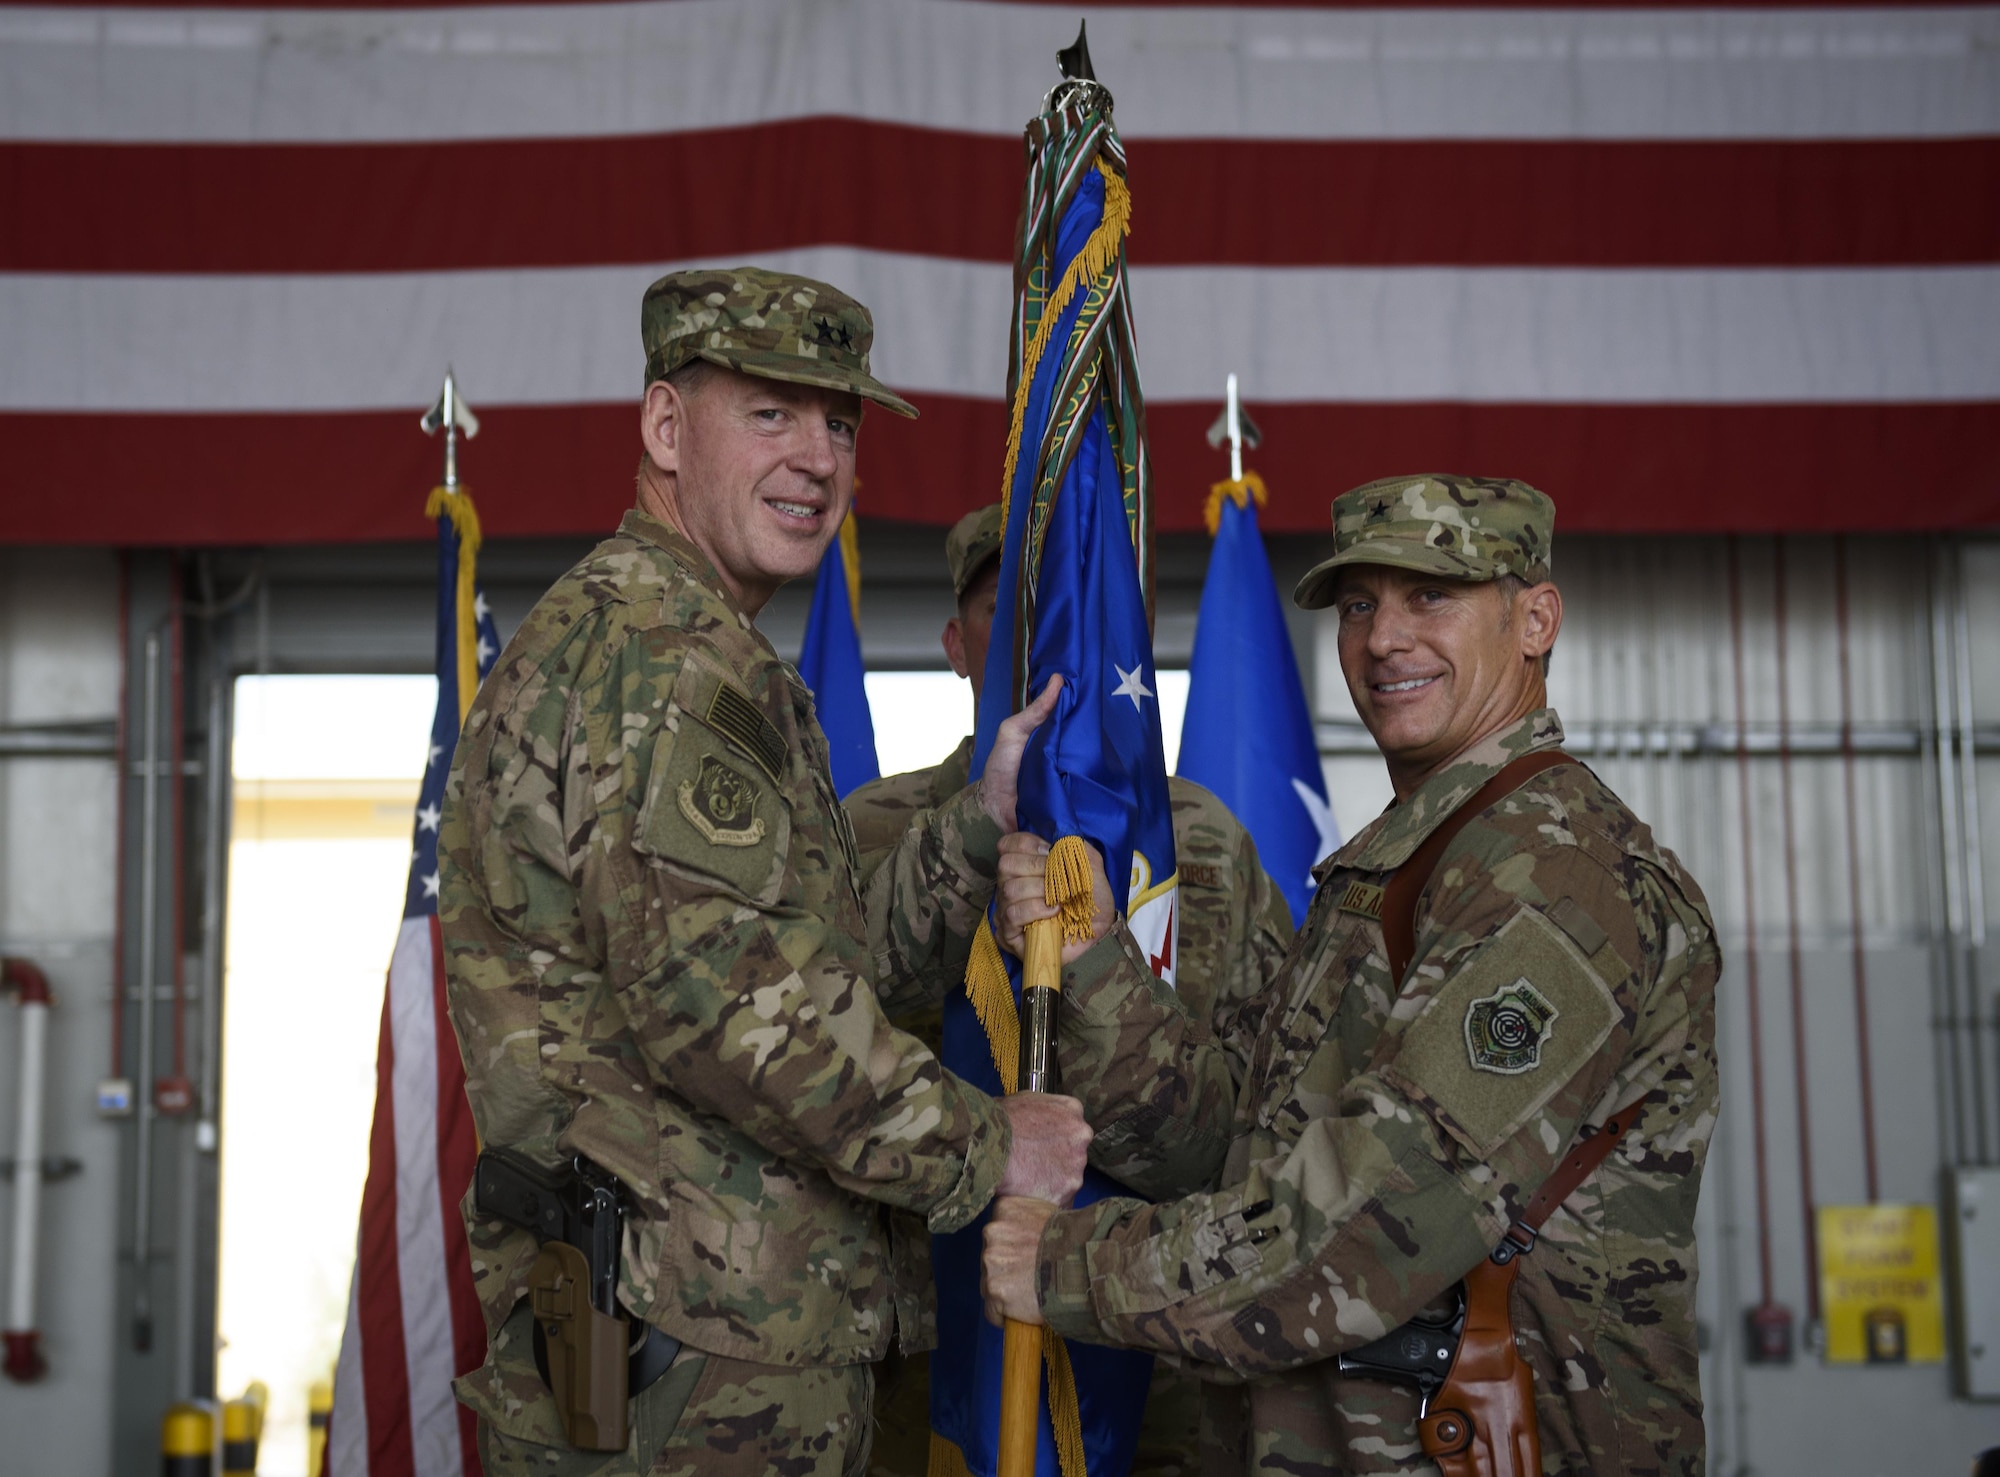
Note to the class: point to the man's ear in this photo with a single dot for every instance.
(1540, 609)
(663, 425)
(954, 647)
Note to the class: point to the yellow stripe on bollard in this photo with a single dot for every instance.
(242, 1427)
(187, 1441)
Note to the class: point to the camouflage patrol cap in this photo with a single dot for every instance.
(973, 540)
(773, 324)
(1464, 528)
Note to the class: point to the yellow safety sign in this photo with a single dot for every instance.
(1878, 1272)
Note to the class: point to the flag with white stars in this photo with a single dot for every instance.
(1248, 736)
(1073, 602)
(413, 1322)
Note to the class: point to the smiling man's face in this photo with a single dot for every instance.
(763, 473)
(1435, 665)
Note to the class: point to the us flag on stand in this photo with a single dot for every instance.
(413, 1321)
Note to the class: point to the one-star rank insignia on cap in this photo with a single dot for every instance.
(1504, 1031)
(722, 805)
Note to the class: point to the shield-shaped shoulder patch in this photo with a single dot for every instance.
(721, 804)
(1504, 1031)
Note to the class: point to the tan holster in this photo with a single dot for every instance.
(586, 1350)
(1481, 1422)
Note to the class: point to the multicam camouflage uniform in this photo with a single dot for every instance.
(659, 957)
(1374, 1141)
(1234, 930)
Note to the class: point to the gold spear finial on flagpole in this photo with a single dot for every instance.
(454, 417)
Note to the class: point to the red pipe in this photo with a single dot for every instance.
(1861, 1029)
(1799, 1059)
(24, 1362)
(1750, 931)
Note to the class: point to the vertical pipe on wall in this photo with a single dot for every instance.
(1801, 1061)
(1860, 959)
(1951, 850)
(215, 824)
(1760, 1163)
(1973, 871)
(149, 950)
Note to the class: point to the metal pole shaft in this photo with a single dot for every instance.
(1973, 870)
(215, 821)
(149, 917)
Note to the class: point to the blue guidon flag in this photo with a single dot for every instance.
(1249, 737)
(1074, 582)
(830, 663)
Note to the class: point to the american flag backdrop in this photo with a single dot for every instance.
(413, 1321)
(1688, 267)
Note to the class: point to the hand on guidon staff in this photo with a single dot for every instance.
(1008, 1282)
(999, 782)
(1020, 897)
(1051, 1143)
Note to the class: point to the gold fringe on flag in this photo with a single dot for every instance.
(1066, 885)
(1239, 493)
(992, 996)
(1099, 255)
(444, 502)
(1065, 1414)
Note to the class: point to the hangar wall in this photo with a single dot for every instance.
(1645, 679)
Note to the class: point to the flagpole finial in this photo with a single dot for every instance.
(1079, 78)
(1074, 59)
(1235, 427)
(455, 418)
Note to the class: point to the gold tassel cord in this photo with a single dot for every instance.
(444, 502)
(1099, 254)
(1239, 493)
(992, 996)
(1066, 885)
(1065, 1412)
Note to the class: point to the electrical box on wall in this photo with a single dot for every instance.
(1972, 1220)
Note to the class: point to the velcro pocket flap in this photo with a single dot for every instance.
(1515, 1024)
(713, 804)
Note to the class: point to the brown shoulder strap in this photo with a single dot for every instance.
(1583, 1157)
(1399, 900)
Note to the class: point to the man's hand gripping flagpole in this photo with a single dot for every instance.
(1069, 893)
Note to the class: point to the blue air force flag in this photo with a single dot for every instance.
(830, 663)
(1248, 736)
(1073, 583)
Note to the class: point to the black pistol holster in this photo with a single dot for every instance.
(590, 1354)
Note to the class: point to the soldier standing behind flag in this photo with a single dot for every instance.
(1234, 930)
(1384, 1129)
(662, 967)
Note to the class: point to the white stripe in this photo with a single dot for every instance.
(1623, 336)
(347, 1430)
(672, 65)
(420, 1259)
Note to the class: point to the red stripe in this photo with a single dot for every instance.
(564, 202)
(308, 6)
(384, 1361)
(542, 470)
(457, 1146)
